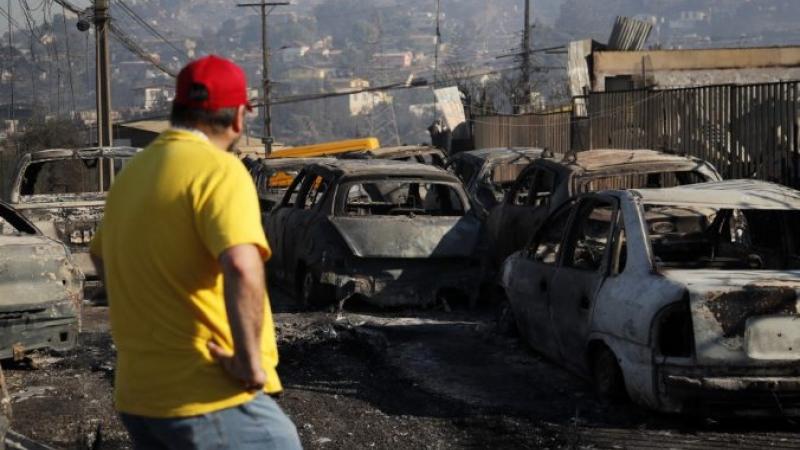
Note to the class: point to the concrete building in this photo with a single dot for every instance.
(152, 98)
(615, 71)
(357, 103)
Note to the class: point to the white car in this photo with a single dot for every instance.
(684, 298)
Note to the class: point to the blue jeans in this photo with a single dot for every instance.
(258, 424)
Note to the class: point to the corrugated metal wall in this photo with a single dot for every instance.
(744, 130)
(547, 130)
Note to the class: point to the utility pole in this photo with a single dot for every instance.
(11, 61)
(103, 74)
(437, 38)
(526, 54)
(265, 81)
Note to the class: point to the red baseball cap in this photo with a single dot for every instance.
(212, 83)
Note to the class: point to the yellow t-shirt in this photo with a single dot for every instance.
(171, 212)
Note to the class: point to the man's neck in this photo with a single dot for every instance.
(219, 140)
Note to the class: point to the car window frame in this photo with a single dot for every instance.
(533, 243)
(546, 200)
(319, 200)
(532, 172)
(605, 267)
(296, 184)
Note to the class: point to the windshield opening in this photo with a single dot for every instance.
(503, 178)
(690, 237)
(401, 198)
(69, 176)
(464, 170)
(641, 181)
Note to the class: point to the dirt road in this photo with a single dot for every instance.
(400, 380)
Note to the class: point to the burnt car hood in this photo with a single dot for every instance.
(35, 271)
(71, 222)
(743, 317)
(409, 237)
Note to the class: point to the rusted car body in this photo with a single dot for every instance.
(686, 298)
(274, 176)
(422, 154)
(488, 173)
(63, 191)
(394, 233)
(40, 289)
(547, 183)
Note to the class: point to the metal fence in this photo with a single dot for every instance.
(744, 130)
(545, 130)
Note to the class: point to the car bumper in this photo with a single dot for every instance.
(55, 326)
(405, 286)
(732, 392)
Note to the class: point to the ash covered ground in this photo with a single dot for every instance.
(405, 379)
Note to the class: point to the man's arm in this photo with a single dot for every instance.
(243, 275)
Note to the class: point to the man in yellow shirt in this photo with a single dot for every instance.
(182, 253)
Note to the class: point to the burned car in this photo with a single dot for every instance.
(393, 233)
(422, 154)
(686, 298)
(273, 176)
(63, 192)
(547, 183)
(489, 173)
(40, 289)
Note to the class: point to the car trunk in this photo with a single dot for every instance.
(409, 237)
(743, 317)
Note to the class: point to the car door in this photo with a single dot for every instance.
(583, 270)
(278, 232)
(529, 285)
(522, 212)
(296, 241)
(307, 216)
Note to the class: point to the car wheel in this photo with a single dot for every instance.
(609, 383)
(505, 321)
(311, 292)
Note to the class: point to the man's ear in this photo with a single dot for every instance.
(238, 122)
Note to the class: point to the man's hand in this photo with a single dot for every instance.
(243, 277)
(249, 373)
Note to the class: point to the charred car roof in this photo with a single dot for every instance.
(603, 160)
(290, 163)
(500, 154)
(83, 153)
(401, 151)
(381, 167)
(729, 194)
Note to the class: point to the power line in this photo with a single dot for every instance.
(69, 58)
(137, 50)
(147, 26)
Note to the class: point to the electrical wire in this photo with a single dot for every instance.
(138, 19)
(69, 59)
(127, 42)
(602, 115)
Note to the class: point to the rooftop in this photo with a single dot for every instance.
(592, 160)
(505, 153)
(86, 153)
(373, 167)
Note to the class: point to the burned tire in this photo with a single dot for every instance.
(310, 291)
(505, 322)
(609, 383)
